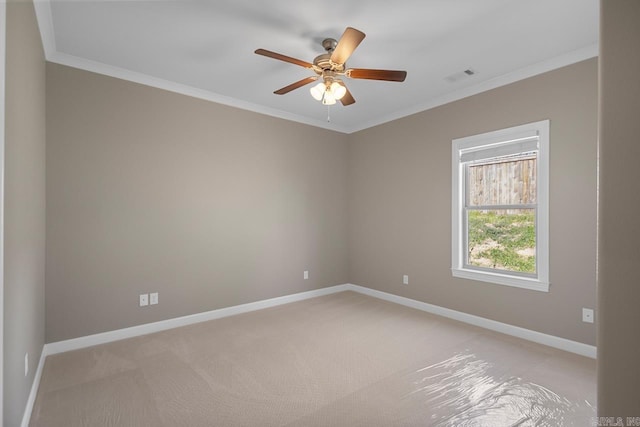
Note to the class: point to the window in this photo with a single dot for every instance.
(500, 207)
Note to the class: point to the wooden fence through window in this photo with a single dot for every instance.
(505, 182)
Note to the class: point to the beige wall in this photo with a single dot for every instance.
(619, 229)
(400, 202)
(24, 206)
(211, 206)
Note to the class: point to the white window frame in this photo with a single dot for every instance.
(501, 140)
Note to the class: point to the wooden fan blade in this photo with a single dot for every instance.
(296, 85)
(388, 75)
(284, 58)
(349, 41)
(347, 99)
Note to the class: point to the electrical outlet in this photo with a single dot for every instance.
(153, 298)
(587, 315)
(26, 364)
(144, 300)
(405, 279)
(305, 275)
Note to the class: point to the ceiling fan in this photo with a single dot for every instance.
(331, 66)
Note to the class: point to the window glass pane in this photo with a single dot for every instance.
(502, 239)
(509, 180)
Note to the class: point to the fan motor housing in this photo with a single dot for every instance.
(323, 61)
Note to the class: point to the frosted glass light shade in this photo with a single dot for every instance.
(338, 90)
(328, 99)
(317, 91)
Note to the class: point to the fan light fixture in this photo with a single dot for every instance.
(328, 92)
(330, 67)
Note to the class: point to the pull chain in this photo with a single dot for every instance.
(328, 114)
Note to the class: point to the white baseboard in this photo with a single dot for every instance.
(34, 389)
(163, 325)
(134, 331)
(516, 331)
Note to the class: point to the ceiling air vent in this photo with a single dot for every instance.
(461, 75)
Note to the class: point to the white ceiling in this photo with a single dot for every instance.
(205, 48)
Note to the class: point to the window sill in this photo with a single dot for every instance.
(502, 279)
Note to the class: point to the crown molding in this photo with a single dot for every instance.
(147, 80)
(560, 61)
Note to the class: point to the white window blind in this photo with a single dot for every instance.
(505, 148)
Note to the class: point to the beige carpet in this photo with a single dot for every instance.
(339, 360)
